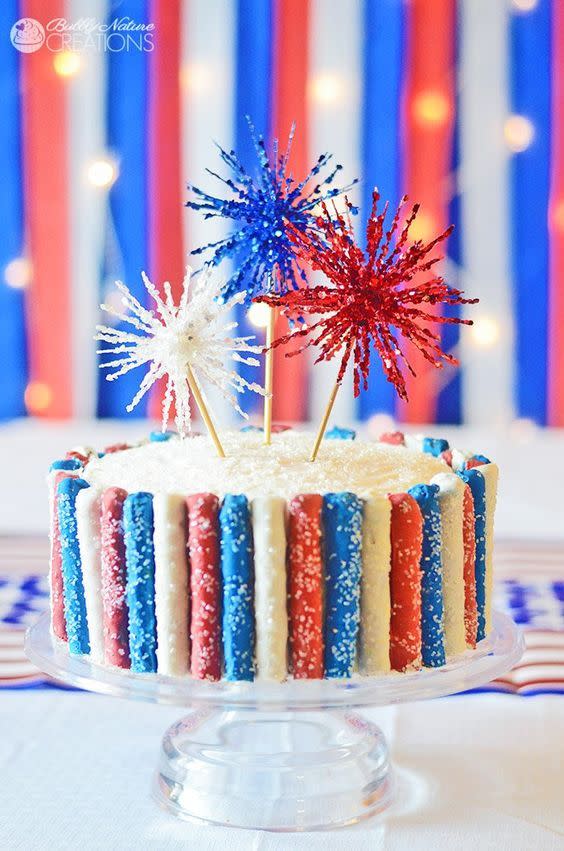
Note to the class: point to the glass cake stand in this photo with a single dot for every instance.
(277, 756)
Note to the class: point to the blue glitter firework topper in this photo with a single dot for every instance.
(266, 208)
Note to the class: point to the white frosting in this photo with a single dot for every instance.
(451, 503)
(490, 473)
(171, 585)
(414, 442)
(459, 458)
(375, 588)
(88, 528)
(271, 619)
(282, 469)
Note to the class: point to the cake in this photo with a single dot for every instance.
(376, 559)
(274, 554)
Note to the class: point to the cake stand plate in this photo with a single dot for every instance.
(277, 756)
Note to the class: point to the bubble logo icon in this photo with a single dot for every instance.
(27, 35)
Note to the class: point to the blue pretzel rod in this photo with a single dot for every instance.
(237, 577)
(342, 529)
(432, 633)
(73, 588)
(140, 583)
(477, 484)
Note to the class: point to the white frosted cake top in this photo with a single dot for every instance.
(251, 468)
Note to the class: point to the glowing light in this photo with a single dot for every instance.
(18, 272)
(519, 133)
(379, 424)
(67, 63)
(327, 88)
(196, 78)
(37, 397)
(424, 227)
(525, 5)
(485, 332)
(557, 215)
(102, 172)
(258, 315)
(431, 107)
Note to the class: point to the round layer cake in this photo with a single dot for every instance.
(377, 557)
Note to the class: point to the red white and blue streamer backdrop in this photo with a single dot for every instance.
(459, 104)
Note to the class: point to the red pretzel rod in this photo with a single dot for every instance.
(470, 605)
(305, 568)
(405, 582)
(112, 549)
(205, 586)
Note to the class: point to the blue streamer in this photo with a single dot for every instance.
(530, 73)
(13, 350)
(342, 528)
(74, 602)
(432, 635)
(384, 24)
(449, 398)
(237, 576)
(140, 583)
(126, 252)
(478, 487)
(253, 78)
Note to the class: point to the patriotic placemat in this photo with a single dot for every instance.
(529, 587)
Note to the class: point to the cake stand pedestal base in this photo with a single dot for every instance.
(289, 771)
(277, 756)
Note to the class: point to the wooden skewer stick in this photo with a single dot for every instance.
(325, 420)
(268, 375)
(196, 392)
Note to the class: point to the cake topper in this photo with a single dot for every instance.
(178, 341)
(371, 298)
(268, 209)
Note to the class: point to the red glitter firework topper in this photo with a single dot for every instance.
(371, 298)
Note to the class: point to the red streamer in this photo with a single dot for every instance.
(556, 228)
(46, 171)
(166, 260)
(290, 68)
(428, 137)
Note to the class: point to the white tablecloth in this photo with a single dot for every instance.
(476, 772)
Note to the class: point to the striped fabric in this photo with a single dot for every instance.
(528, 587)
(457, 104)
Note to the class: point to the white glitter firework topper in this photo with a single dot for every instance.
(178, 339)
